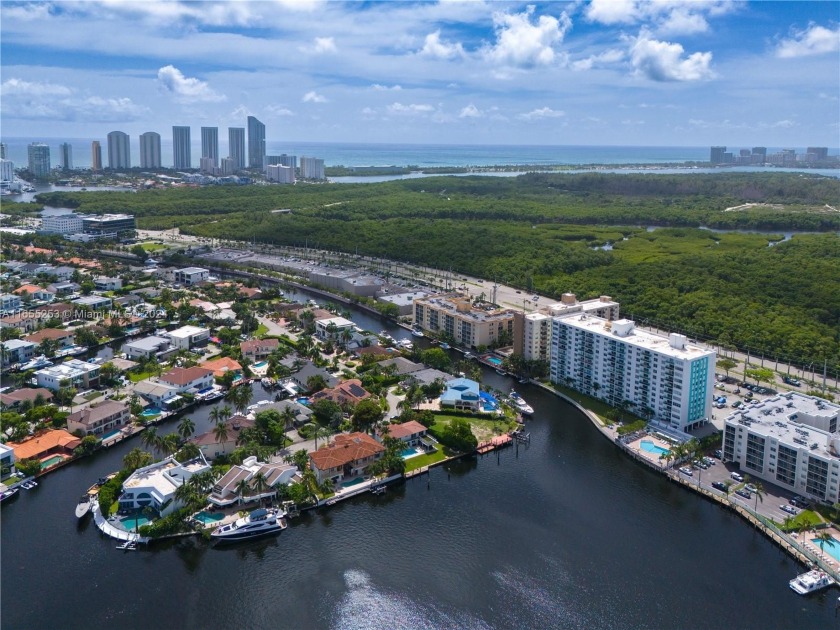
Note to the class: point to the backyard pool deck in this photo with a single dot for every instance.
(636, 447)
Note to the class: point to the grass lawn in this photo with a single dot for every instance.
(805, 519)
(139, 376)
(92, 396)
(152, 247)
(425, 460)
(262, 330)
(593, 404)
(482, 429)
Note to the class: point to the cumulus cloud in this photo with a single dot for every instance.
(411, 109)
(608, 57)
(471, 111)
(27, 12)
(34, 88)
(435, 48)
(542, 113)
(815, 40)
(321, 45)
(666, 17)
(72, 108)
(314, 97)
(187, 89)
(523, 43)
(384, 88)
(665, 61)
(278, 110)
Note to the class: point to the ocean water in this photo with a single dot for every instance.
(421, 155)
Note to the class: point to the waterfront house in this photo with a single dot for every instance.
(148, 347)
(155, 485)
(75, 373)
(461, 394)
(35, 292)
(212, 448)
(93, 302)
(61, 274)
(52, 442)
(257, 349)
(222, 366)
(302, 376)
(226, 490)
(332, 328)
(191, 276)
(62, 338)
(410, 432)
(16, 351)
(102, 418)
(303, 414)
(190, 380)
(187, 337)
(7, 459)
(15, 398)
(155, 392)
(349, 455)
(350, 392)
(104, 283)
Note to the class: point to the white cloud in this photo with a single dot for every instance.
(368, 113)
(435, 48)
(784, 124)
(521, 43)
(411, 109)
(314, 97)
(541, 113)
(384, 88)
(27, 12)
(664, 61)
(278, 110)
(320, 45)
(187, 89)
(815, 40)
(471, 111)
(72, 109)
(240, 113)
(35, 88)
(665, 17)
(608, 57)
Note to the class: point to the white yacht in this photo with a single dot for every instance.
(257, 523)
(521, 406)
(810, 582)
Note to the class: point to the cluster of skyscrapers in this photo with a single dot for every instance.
(759, 155)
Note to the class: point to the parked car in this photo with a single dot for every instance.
(800, 502)
(686, 471)
(789, 509)
(743, 492)
(736, 476)
(719, 485)
(751, 487)
(719, 454)
(791, 381)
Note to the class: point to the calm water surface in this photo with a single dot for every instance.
(564, 533)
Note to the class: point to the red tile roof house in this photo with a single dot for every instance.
(186, 379)
(350, 392)
(258, 348)
(348, 456)
(64, 338)
(409, 432)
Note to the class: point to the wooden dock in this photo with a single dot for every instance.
(499, 441)
(417, 472)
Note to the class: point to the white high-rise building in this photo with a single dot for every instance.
(150, 150)
(181, 149)
(256, 143)
(280, 174)
(666, 379)
(236, 147)
(39, 160)
(7, 170)
(210, 144)
(311, 168)
(791, 440)
(65, 156)
(119, 150)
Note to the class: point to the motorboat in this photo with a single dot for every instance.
(521, 406)
(258, 523)
(810, 582)
(36, 363)
(378, 490)
(417, 332)
(83, 507)
(8, 494)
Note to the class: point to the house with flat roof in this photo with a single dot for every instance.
(191, 379)
(349, 392)
(78, 374)
(147, 347)
(31, 394)
(155, 485)
(93, 302)
(10, 303)
(332, 328)
(349, 455)
(63, 289)
(227, 490)
(16, 351)
(99, 419)
(7, 459)
(461, 394)
(61, 274)
(191, 276)
(187, 337)
(257, 349)
(104, 283)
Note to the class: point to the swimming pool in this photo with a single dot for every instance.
(207, 518)
(148, 412)
(110, 434)
(832, 547)
(261, 364)
(412, 451)
(495, 361)
(354, 482)
(131, 523)
(303, 401)
(52, 461)
(650, 447)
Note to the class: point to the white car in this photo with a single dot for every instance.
(686, 471)
(789, 509)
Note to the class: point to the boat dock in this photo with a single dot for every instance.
(499, 441)
(109, 530)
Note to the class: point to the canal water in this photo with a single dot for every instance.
(566, 532)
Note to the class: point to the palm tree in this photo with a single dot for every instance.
(188, 451)
(822, 538)
(240, 397)
(186, 428)
(242, 488)
(321, 432)
(759, 494)
(346, 337)
(221, 432)
(260, 484)
(151, 439)
(170, 444)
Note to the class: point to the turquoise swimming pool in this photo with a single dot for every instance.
(131, 523)
(354, 482)
(831, 547)
(495, 361)
(110, 434)
(412, 451)
(52, 461)
(650, 447)
(261, 364)
(208, 518)
(149, 412)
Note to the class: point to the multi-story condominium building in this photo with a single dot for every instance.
(470, 325)
(9, 303)
(236, 147)
(532, 332)
(119, 150)
(181, 150)
(95, 156)
(190, 276)
(39, 160)
(210, 144)
(65, 156)
(109, 225)
(2, 150)
(7, 170)
(207, 165)
(67, 223)
(716, 155)
(311, 168)
(285, 160)
(666, 379)
(228, 166)
(256, 143)
(150, 150)
(791, 440)
(280, 174)
(820, 153)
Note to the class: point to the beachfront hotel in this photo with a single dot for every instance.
(790, 440)
(666, 379)
(469, 324)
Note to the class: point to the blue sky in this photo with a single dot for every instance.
(597, 72)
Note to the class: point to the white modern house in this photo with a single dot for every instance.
(155, 392)
(791, 440)
(16, 351)
(187, 337)
(75, 373)
(332, 328)
(155, 485)
(146, 348)
(664, 378)
(191, 276)
(9, 303)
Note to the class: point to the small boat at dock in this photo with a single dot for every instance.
(810, 582)
(519, 403)
(8, 494)
(258, 523)
(83, 507)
